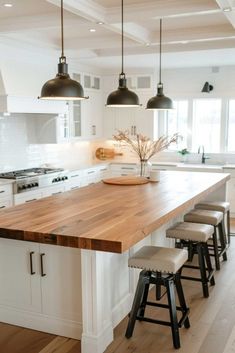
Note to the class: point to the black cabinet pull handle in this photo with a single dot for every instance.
(42, 269)
(32, 272)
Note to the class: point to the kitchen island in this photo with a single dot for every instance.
(103, 225)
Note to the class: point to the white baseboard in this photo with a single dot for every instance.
(97, 344)
(40, 322)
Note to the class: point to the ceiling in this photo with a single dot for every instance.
(192, 29)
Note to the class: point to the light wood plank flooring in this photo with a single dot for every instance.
(212, 325)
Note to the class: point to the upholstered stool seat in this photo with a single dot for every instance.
(161, 267)
(194, 236)
(204, 216)
(190, 231)
(214, 218)
(158, 259)
(220, 206)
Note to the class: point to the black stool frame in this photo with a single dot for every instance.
(141, 301)
(205, 266)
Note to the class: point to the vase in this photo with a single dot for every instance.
(144, 169)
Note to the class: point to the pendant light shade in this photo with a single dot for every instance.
(62, 87)
(122, 97)
(160, 101)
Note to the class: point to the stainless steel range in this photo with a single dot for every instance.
(34, 178)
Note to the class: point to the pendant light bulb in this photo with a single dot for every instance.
(160, 101)
(122, 97)
(62, 87)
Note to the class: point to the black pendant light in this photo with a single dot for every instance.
(62, 87)
(122, 97)
(160, 101)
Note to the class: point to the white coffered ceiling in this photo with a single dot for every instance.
(193, 29)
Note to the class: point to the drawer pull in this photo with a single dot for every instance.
(43, 274)
(91, 172)
(2, 207)
(2, 191)
(75, 176)
(32, 272)
(128, 168)
(30, 200)
(56, 193)
(75, 187)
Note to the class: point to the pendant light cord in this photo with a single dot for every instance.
(122, 73)
(62, 28)
(160, 56)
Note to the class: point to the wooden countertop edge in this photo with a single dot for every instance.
(107, 245)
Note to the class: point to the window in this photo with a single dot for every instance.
(231, 126)
(206, 124)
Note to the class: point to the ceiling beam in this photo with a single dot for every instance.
(89, 10)
(228, 4)
(163, 9)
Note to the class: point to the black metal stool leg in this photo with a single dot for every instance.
(202, 267)
(141, 310)
(216, 252)
(143, 280)
(158, 287)
(222, 236)
(209, 265)
(181, 297)
(173, 314)
(228, 227)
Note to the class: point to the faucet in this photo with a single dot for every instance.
(203, 153)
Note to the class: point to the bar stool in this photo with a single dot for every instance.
(220, 206)
(160, 266)
(215, 219)
(196, 235)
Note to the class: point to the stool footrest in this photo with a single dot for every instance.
(153, 321)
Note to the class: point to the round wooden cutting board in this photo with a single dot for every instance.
(126, 180)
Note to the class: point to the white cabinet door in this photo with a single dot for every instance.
(135, 120)
(144, 120)
(61, 283)
(19, 287)
(92, 115)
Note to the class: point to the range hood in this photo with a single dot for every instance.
(17, 104)
(12, 103)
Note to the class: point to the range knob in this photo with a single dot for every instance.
(36, 184)
(66, 178)
(28, 186)
(23, 187)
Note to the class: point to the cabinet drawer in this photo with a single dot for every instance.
(55, 190)
(5, 190)
(6, 202)
(27, 197)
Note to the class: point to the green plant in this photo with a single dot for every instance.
(183, 152)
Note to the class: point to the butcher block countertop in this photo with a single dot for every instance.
(108, 217)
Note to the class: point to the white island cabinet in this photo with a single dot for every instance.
(41, 287)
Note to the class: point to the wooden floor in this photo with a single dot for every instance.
(212, 325)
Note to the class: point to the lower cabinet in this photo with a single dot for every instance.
(41, 287)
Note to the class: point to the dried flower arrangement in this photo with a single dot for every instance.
(143, 146)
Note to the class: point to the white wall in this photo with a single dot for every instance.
(189, 82)
(16, 152)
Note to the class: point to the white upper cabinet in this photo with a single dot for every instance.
(135, 120)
